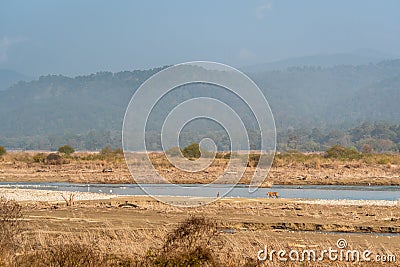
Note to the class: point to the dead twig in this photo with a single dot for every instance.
(69, 200)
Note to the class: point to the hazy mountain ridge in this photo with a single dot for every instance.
(10, 77)
(315, 95)
(360, 57)
(307, 97)
(59, 104)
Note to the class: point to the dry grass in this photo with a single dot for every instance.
(10, 229)
(198, 239)
(189, 244)
(288, 168)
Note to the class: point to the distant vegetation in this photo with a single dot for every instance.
(55, 159)
(365, 138)
(2, 151)
(66, 149)
(340, 152)
(333, 153)
(314, 108)
(192, 151)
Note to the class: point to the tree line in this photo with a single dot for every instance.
(365, 137)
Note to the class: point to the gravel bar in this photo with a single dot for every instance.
(49, 195)
(351, 202)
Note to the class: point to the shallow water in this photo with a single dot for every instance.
(285, 191)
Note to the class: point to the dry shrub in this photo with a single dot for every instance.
(190, 244)
(3, 151)
(10, 219)
(55, 159)
(342, 153)
(18, 157)
(160, 161)
(253, 160)
(39, 158)
(381, 159)
(384, 161)
(64, 254)
(69, 199)
(10, 229)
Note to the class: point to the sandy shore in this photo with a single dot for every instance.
(32, 195)
(349, 202)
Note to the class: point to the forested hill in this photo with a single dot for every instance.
(341, 95)
(93, 106)
(58, 104)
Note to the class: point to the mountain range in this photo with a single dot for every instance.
(307, 96)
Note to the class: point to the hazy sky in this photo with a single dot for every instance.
(74, 37)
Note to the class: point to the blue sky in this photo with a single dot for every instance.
(73, 37)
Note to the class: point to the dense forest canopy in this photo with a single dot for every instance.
(314, 108)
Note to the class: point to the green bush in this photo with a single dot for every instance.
(192, 151)
(2, 151)
(341, 152)
(384, 161)
(66, 149)
(39, 158)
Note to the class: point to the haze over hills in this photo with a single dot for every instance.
(336, 95)
(359, 57)
(91, 108)
(10, 77)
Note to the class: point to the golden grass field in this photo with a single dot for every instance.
(240, 228)
(287, 168)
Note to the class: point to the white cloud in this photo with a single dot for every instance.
(262, 9)
(5, 44)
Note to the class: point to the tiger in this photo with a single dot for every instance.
(273, 194)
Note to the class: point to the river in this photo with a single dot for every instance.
(329, 192)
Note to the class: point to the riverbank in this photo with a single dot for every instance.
(244, 225)
(129, 228)
(32, 195)
(36, 195)
(379, 216)
(348, 202)
(301, 169)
